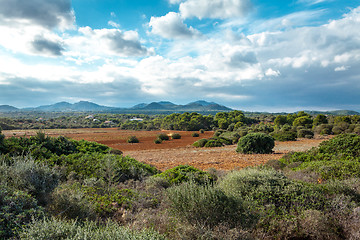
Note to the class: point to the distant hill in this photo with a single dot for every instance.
(82, 106)
(198, 106)
(335, 113)
(8, 108)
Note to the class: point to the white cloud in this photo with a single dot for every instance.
(104, 42)
(114, 24)
(272, 73)
(218, 9)
(171, 26)
(341, 69)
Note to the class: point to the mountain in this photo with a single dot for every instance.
(200, 106)
(335, 112)
(8, 108)
(82, 106)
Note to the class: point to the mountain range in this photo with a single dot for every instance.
(85, 106)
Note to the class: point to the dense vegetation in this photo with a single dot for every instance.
(58, 188)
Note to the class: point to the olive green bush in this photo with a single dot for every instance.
(184, 173)
(256, 143)
(133, 139)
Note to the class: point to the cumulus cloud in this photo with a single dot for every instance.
(48, 14)
(171, 26)
(100, 42)
(220, 9)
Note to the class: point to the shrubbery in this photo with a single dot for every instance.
(284, 136)
(256, 143)
(133, 139)
(195, 135)
(62, 229)
(163, 137)
(176, 136)
(185, 173)
(200, 143)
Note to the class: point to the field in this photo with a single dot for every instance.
(174, 152)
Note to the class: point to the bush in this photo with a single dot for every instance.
(201, 131)
(133, 139)
(176, 136)
(64, 229)
(25, 174)
(267, 187)
(256, 143)
(200, 143)
(111, 168)
(206, 205)
(305, 133)
(195, 135)
(157, 141)
(17, 208)
(185, 173)
(284, 136)
(163, 137)
(213, 143)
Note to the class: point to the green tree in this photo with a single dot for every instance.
(302, 121)
(320, 119)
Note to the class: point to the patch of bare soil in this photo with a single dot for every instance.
(224, 158)
(175, 152)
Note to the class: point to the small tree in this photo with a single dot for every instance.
(256, 143)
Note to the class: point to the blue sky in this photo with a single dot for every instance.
(254, 55)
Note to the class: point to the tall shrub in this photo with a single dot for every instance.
(256, 143)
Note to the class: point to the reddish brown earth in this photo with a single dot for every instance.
(175, 152)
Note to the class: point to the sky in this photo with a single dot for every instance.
(253, 55)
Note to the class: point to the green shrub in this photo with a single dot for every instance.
(195, 134)
(213, 143)
(17, 208)
(25, 174)
(175, 136)
(133, 139)
(200, 143)
(184, 173)
(206, 205)
(305, 133)
(158, 141)
(111, 168)
(201, 131)
(284, 136)
(323, 129)
(63, 229)
(267, 187)
(68, 201)
(256, 143)
(163, 137)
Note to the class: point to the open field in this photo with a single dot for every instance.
(174, 152)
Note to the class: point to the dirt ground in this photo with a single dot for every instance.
(175, 152)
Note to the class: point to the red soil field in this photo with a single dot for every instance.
(174, 152)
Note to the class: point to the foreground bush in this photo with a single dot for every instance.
(267, 187)
(111, 168)
(17, 208)
(256, 143)
(24, 174)
(337, 158)
(61, 229)
(185, 173)
(206, 206)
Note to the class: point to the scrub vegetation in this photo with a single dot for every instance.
(59, 188)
